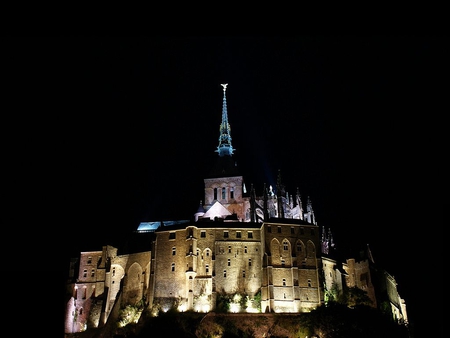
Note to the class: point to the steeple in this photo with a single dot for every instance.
(224, 147)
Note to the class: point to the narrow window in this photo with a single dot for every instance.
(114, 272)
(89, 261)
(269, 229)
(249, 262)
(284, 281)
(299, 247)
(309, 283)
(283, 263)
(173, 267)
(250, 234)
(231, 192)
(229, 248)
(243, 273)
(203, 234)
(84, 273)
(238, 234)
(224, 273)
(207, 268)
(279, 230)
(215, 193)
(245, 249)
(229, 262)
(223, 193)
(207, 252)
(92, 273)
(225, 234)
(174, 251)
(285, 245)
(292, 230)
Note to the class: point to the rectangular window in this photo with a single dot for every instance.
(225, 234)
(224, 273)
(84, 273)
(203, 234)
(173, 267)
(238, 234)
(231, 192)
(223, 193)
(229, 262)
(89, 261)
(249, 262)
(92, 273)
(207, 268)
(229, 248)
(174, 251)
(269, 229)
(243, 273)
(279, 230)
(292, 231)
(172, 235)
(250, 234)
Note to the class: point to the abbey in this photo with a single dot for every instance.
(240, 252)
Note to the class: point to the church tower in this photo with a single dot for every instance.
(224, 185)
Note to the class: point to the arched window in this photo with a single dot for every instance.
(231, 192)
(223, 193)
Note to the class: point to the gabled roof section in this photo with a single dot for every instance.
(217, 210)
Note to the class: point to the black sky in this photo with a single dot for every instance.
(115, 131)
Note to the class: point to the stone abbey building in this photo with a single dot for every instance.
(261, 253)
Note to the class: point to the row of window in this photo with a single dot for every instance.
(226, 234)
(285, 248)
(224, 192)
(302, 230)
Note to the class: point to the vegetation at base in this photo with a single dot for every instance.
(333, 320)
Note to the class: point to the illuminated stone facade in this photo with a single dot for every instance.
(266, 252)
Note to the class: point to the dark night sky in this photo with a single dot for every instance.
(115, 131)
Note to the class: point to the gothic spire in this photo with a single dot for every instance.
(224, 147)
